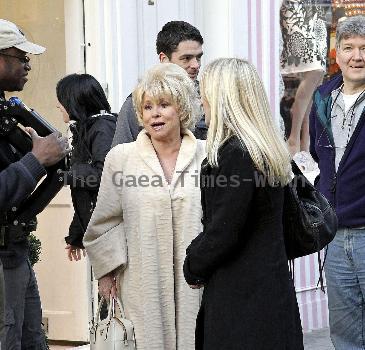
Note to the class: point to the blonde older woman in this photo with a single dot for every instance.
(249, 300)
(148, 209)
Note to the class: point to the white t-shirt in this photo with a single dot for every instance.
(349, 100)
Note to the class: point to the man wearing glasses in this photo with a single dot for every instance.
(19, 176)
(337, 129)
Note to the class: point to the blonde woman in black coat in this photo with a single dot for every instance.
(249, 299)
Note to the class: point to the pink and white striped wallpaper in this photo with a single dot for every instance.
(311, 300)
(263, 33)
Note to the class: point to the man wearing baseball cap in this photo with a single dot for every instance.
(19, 176)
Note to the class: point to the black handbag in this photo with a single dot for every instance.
(309, 221)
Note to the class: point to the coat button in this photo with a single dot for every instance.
(13, 208)
(15, 222)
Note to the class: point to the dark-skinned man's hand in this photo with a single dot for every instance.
(49, 149)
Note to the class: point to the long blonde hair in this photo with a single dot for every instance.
(239, 106)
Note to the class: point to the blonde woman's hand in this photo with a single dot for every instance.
(74, 253)
(108, 286)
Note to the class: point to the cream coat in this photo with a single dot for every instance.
(142, 226)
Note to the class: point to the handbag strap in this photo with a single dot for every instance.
(111, 309)
(120, 306)
(296, 170)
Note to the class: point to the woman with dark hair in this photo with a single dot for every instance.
(83, 104)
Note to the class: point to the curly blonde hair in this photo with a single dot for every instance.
(168, 79)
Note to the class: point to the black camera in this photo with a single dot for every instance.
(14, 116)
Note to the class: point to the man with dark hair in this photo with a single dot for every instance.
(337, 130)
(20, 202)
(178, 42)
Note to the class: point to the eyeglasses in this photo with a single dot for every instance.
(22, 59)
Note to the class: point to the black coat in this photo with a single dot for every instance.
(85, 173)
(249, 300)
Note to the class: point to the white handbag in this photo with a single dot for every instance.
(114, 332)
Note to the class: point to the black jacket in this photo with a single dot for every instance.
(19, 205)
(85, 172)
(249, 300)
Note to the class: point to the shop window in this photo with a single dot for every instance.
(308, 58)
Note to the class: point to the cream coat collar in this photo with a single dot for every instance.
(186, 155)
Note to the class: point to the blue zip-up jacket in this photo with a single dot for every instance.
(346, 188)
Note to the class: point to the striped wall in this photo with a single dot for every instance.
(263, 45)
(312, 301)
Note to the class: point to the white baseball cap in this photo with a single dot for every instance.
(11, 36)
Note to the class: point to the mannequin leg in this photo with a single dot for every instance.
(301, 105)
(304, 133)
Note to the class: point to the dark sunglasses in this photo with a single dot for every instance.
(22, 59)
